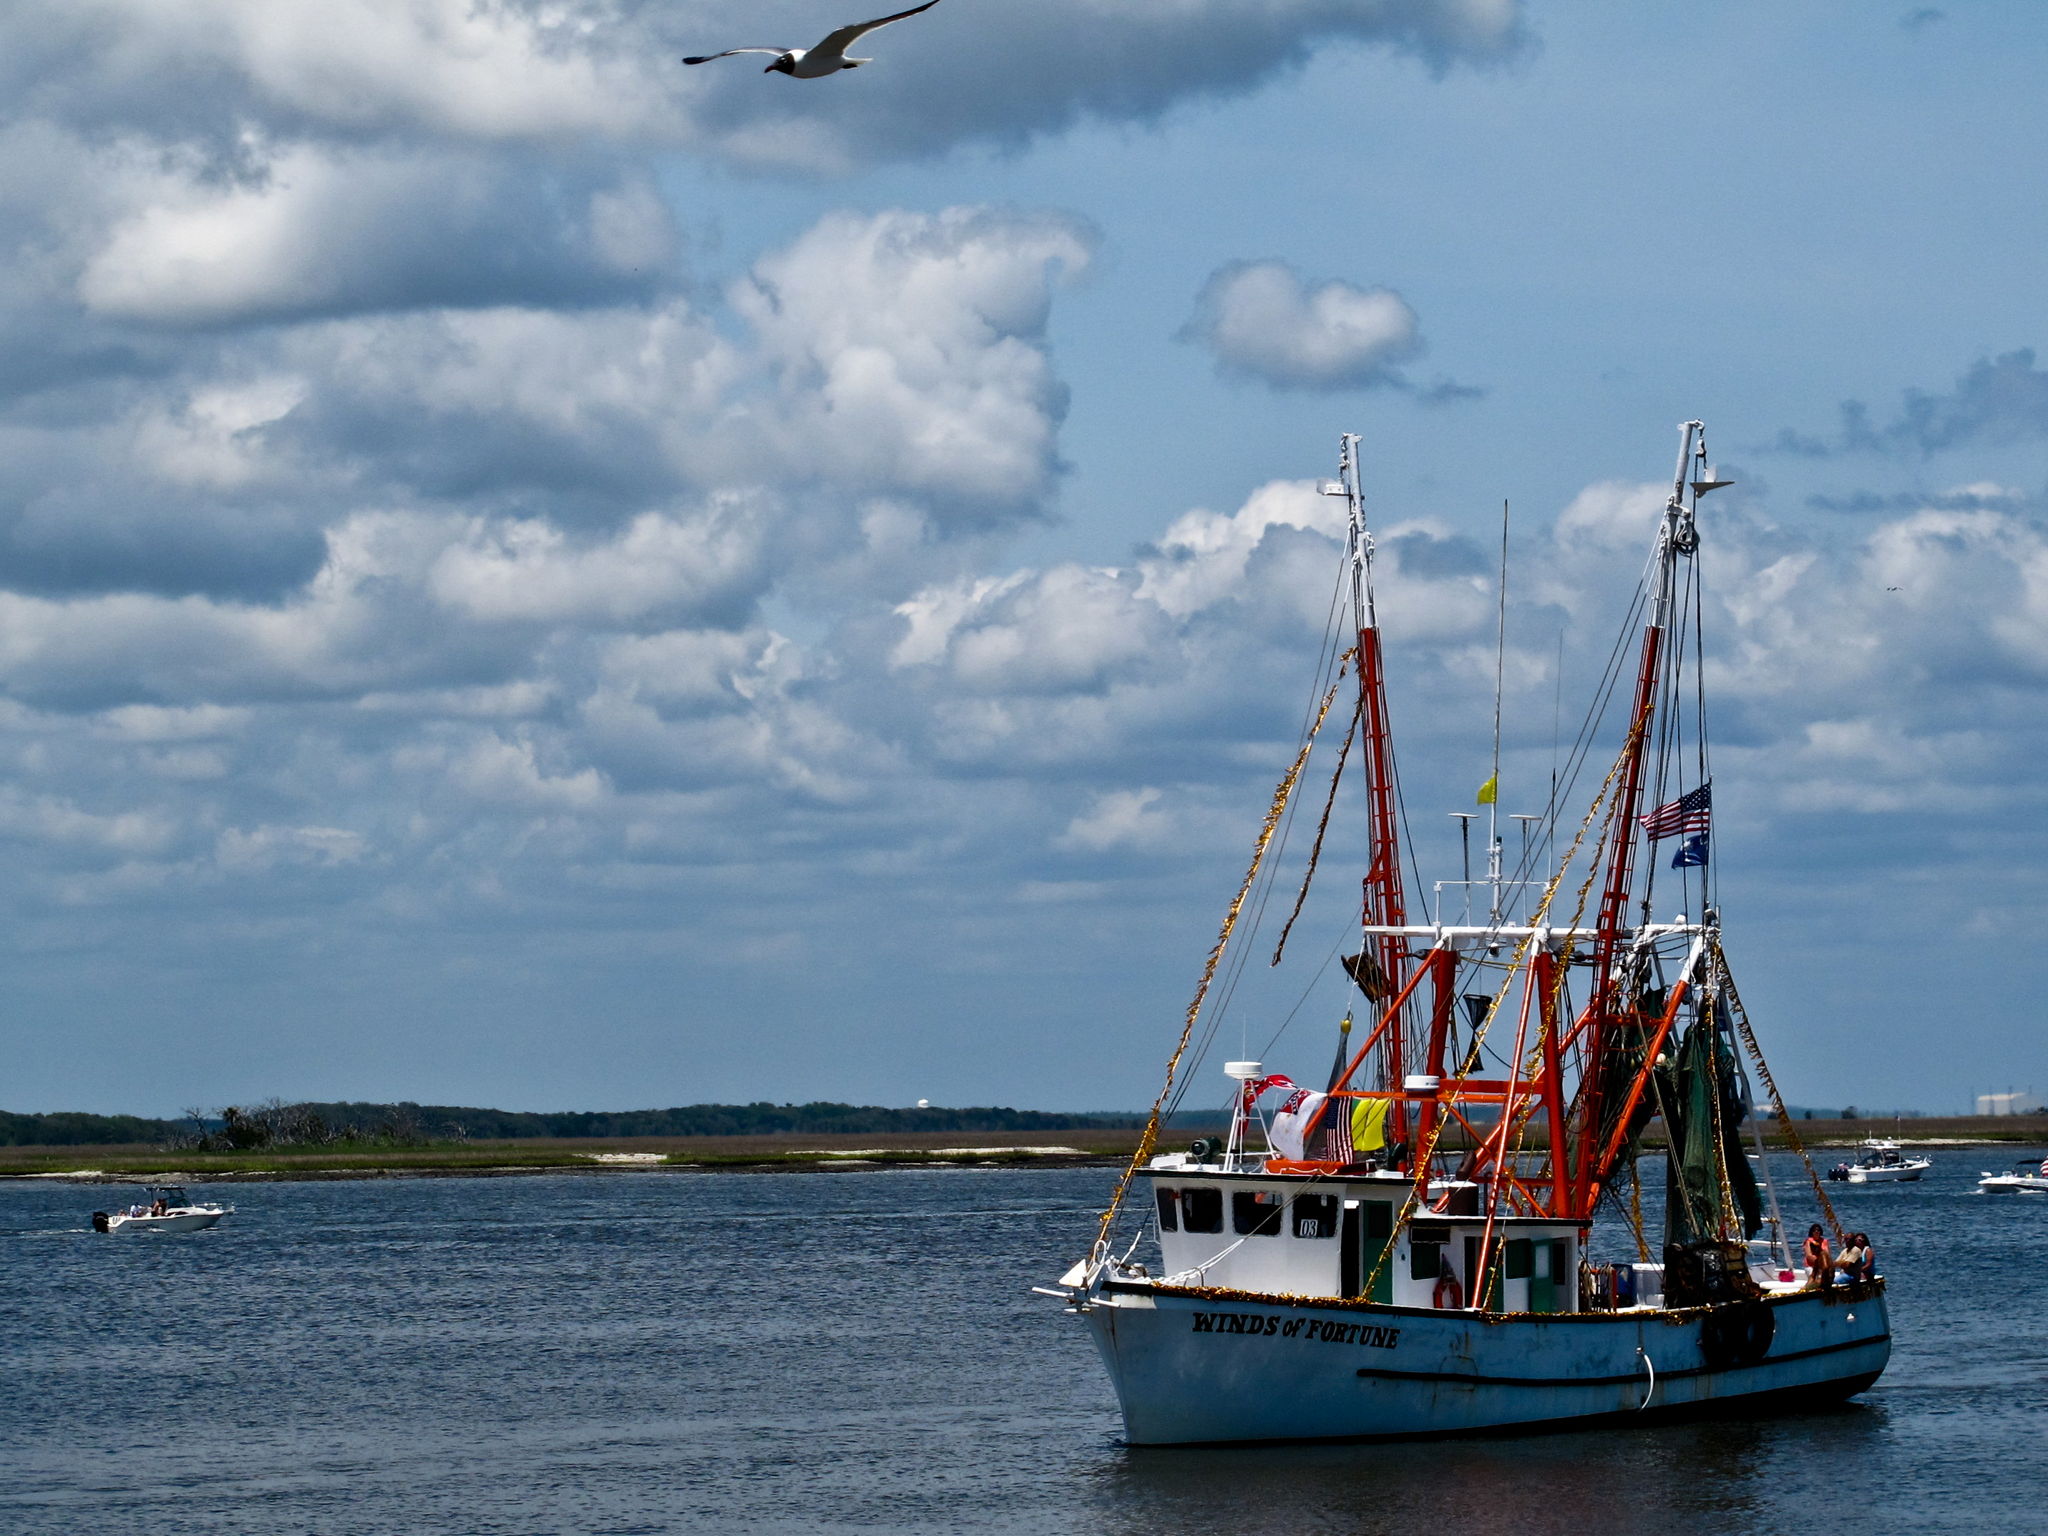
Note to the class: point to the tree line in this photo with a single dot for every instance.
(277, 1124)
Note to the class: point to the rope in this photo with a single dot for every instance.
(1282, 794)
(1635, 1213)
(1763, 1071)
(1315, 851)
(1436, 1131)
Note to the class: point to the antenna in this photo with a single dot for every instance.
(1465, 820)
(1500, 660)
(1526, 872)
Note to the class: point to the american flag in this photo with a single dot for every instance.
(1690, 812)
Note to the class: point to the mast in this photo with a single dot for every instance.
(1614, 970)
(1384, 905)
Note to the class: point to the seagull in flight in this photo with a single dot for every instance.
(828, 58)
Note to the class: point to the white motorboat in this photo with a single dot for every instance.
(1881, 1162)
(1412, 1250)
(168, 1209)
(2023, 1178)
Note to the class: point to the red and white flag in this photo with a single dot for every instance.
(1289, 1130)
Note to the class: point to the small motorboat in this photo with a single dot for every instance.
(2023, 1178)
(168, 1209)
(1881, 1162)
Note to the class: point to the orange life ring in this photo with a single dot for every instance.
(1449, 1295)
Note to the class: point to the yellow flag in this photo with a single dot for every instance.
(1368, 1124)
(1490, 790)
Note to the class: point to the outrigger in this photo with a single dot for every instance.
(1409, 1250)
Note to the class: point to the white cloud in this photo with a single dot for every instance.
(150, 723)
(1260, 319)
(1614, 514)
(318, 231)
(1202, 556)
(1119, 818)
(877, 388)
(529, 75)
(528, 571)
(1068, 629)
(913, 342)
(214, 438)
(53, 819)
(509, 773)
(259, 849)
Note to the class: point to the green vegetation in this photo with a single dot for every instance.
(72, 1130)
(479, 1158)
(759, 1119)
(276, 1125)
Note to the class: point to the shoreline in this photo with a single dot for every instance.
(183, 1176)
(127, 1165)
(131, 1164)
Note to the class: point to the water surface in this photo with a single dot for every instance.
(859, 1352)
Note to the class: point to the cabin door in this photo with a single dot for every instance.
(1368, 1228)
(1547, 1274)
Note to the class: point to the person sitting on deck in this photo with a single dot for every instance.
(1852, 1259)
(1818, 1259)
(1869, 1255)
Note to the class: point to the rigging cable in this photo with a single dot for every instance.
(1419, 1190)
(1315, 851)
(1740, 1018)
(1150, 1139)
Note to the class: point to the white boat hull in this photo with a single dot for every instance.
(180, 1221)
(1195, 1368)
(1904, 1173)
(2013, 1184)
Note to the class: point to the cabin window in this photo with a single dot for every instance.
(1315, 1215)
(1521, 1258)
(1169, 1219)
(1201, 1210)
(1425, 1260)
(1255, 1213)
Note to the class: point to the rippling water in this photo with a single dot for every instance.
(858, 1352)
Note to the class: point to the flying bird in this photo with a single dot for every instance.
(828, 58)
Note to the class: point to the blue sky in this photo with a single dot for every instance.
(531, 575)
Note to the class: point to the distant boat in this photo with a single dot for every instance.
(2024, 1178)
(168, 1209)
(1405, 1253)
(1881, 1162)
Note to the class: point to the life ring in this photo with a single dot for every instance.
(1449, 1296)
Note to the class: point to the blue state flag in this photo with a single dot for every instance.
(1692, 853)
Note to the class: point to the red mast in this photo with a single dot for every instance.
(1676, 537)
(1384, 904)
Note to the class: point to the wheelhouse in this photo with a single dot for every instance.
(1323, 1237)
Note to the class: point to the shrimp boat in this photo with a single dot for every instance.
(1448, 1237)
